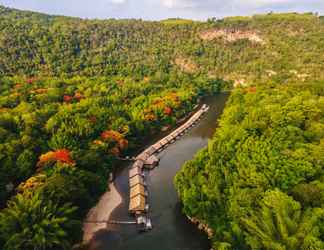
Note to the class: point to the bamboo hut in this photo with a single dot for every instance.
(171, 137)
(138, 164)
(137, 179)
(134, 171)
(164, 142)
(157, 145)
(152, 161)
(137, 190)
(151, 150)
(143, 156)
(137, 204)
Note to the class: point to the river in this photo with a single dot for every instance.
(171, 229)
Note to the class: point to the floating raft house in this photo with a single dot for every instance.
(137, 190)
(138, 164)
(137, 204)
(135, 171)
(152, 161)
(137, 179)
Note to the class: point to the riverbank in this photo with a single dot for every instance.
(112, 198)
(166, 213)
(101, 212)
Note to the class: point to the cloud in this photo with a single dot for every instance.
(262, 3)
(179, 4)
(207, 4)
(118, 1)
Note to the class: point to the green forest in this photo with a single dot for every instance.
(76, 95)
(259, 184)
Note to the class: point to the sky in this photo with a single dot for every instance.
(162, 9)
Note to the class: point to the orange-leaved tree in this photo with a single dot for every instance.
(60, 155)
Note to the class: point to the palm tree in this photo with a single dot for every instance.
(280, 224)
(30, 222)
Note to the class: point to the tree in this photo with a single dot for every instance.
(280, 224)
(30, 222)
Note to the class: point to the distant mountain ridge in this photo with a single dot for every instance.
(38, 44)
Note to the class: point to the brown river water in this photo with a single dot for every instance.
(171, 229)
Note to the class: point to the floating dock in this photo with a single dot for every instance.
(148, 160)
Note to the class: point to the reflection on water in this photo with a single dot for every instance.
(171, 229)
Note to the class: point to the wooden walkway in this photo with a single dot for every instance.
(111, 222)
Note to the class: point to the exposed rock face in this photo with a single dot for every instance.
(230, 35)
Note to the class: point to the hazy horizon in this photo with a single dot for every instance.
(163, 9)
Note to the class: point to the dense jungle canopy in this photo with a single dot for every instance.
(76, 94)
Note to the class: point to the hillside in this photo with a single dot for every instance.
(77, 94)
(35, 44)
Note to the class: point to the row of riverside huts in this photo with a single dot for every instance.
(138, 193)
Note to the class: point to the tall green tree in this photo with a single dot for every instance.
(30, 222)
(281, 224)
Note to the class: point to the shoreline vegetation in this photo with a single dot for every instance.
(75, 95)
(262, 170)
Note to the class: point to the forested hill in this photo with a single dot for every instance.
(76, 94)
(235, 48)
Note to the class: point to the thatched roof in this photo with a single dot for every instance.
(157, 145)
(153, 160)
(172, 136)
(183, 129)
(143, 156)
(136, 180)
(138, 164)
(137, 190)
(137, 204)
(134, 171)
(169, 138)
(164, 142)
(151, 150)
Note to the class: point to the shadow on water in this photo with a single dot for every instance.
(171, 229)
